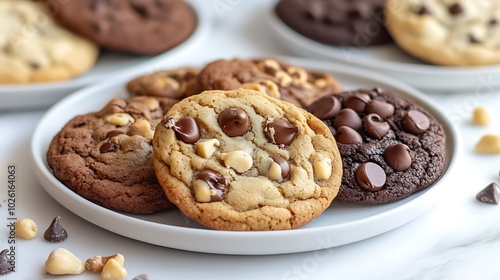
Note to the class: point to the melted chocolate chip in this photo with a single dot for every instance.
(55, 232)
(108, 147)
(455, 9)
(381, 108)
(347, 117)
(490, 194)
(415, 122)
(5, 265)
(326, 107)
(375, 127)
(370, 176)
(357, 102)
(284, 165)
(186, 129)
(216, 182)
(347, 135)
(234, 122)
(280, 132)
(398, 156)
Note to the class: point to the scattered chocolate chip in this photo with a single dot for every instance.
(186, 129)
(375, 127)
(113, 133)
(326, 107)
(473, 39)
(234, 122)
(415, 122)
(423, 11)
(141, 277)
(5, 265)
(108, 147)
(284, 165)
(347, 117)
(490, 194)
(347, 135)
(216, 182)
(370, 176)
(383, 109)
(280, 132)
(55, 232)
(357, 102)
(398, 156)
(455, 9)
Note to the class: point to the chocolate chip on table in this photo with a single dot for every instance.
(490, 194)
(186, 129)
(375, 127)
(234, 122)
(141, 277)
(347, 135)
(280, 132)
(370, 176)
(455, 9)
(383, 109)
(5, 266)
(398, 156)
(415, 122)
(347, 117)
(326, 107)
(55, 232)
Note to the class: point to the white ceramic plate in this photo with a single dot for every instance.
(340, 224)
(109, 65)
(391, 61)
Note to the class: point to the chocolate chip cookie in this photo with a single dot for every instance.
(106, 156)
(242, 160)
(144, 27)
(390, 146)
(280, 80)
(356, 23)
(450, 33)
(35, 49)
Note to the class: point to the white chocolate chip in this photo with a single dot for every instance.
(206, 148)
(201, 191)
(283, 78)
(323, 169)
(26, 228)
(297, 72)
(62, 261)
(488, 144)
(269, 63)
(113, 270)
(481, 116)
(142, 128)
(274, 172)
(265, 86)
(320, 83)
(239, 160)
(120, 119)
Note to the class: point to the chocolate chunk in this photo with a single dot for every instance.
(357, 102)
(383, 109)
(347, 117)
(415, 122)
(347, 135)
(113, 133)
(398, 156)
(234, 122)
(423, 11)
(108, 147)
(5, 266)
(186, 129)
(216, 182)
(326, 107)
(55, 232)
(284, 165)
(455, 9)
(375, 127)
(280, 132)
(370, 176)
(490, 194)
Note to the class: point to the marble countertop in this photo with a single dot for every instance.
(459, 238)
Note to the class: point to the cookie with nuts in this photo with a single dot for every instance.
(447, 32)
(242, 160)
(106, 156)
(35, 49)
(391, 147)
(277, 79)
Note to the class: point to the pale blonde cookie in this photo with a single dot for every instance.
(447, 32)
(33, 48)
(242, 160)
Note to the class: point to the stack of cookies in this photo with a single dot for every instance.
(253, 144)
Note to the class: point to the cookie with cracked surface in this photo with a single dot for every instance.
(145, 27)
(356, 23)
(447, 32)
(35, 49)
(391, 147)
(280, 80)
(241, 160)
(106, 156)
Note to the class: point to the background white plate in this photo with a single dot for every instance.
(340, 224)
(109, 65)
(390, 60)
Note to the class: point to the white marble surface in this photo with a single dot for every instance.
(457, 239)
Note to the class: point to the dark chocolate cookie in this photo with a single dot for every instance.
(280, 80)
(354, 23)
(106, 156)
(390, 146)
(133, 26)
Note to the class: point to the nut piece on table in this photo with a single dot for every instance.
(26, 228)
(62, 261)
(96, 264)
(113, 270)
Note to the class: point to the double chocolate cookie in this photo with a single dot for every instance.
(356, 23)
(390, 146)
(242, 160)
(106, 156)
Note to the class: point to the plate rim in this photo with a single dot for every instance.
(422, 203)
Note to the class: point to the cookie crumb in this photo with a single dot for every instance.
(490, 194)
